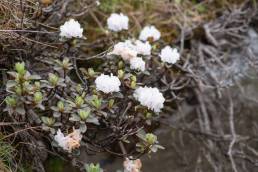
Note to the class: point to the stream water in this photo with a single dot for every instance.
(169, 160)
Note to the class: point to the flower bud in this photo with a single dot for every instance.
(53, 79)
(133, 85)
(120, 74)
(120, 64)
(133, 78)
(66, 64)
(38, 97)
(11, 101)
(84, 114)
(60, 106)
(150, 138)
(49, 121)
(20, 68)
(26, 87)
(96, 102)
(78, 88)
(91, 72)
(37, 86)
(93, 168)
(83, 94)
(148, 115)
(19, 78)
(79, 101)
(18, 90)
(111, 103)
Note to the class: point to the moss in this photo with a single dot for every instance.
(55, 164)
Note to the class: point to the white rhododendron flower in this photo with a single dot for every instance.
(137, 63)
(125, 49)
(71, 29)
(149, 32)
(129, 49)
(169, 55)
(130, 44)
(143, 48)
(97, 2)
(150, 97)
(117, 22)
(107, 84)
(61, 139)
(69, 142)
(132, 165)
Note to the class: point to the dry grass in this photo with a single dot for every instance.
(17, 14)
(171, 17)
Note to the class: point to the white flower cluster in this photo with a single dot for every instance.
(125, 49)
(132, 165)
(150, 97)
(137, 63)
(149, 32)
(107, 84)
(117, 22)
(129, 50)
(71, 29)
(169, 55)
(69, 142)
(143, 48)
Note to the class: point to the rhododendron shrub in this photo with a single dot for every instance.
(111, 104)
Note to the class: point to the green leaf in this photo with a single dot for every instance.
(57, 124)
(56, 114)
(46, 128)
(84, 114)
(141, 134)
(20, 110)
(41, 106)
(13, 74)
(48, 120)
(159, 147)
(118, 95)
(93, 168)
(11, 83)
(154, 148)
(34, 77)
(74, 117)
(83, 128)
(93, 120)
